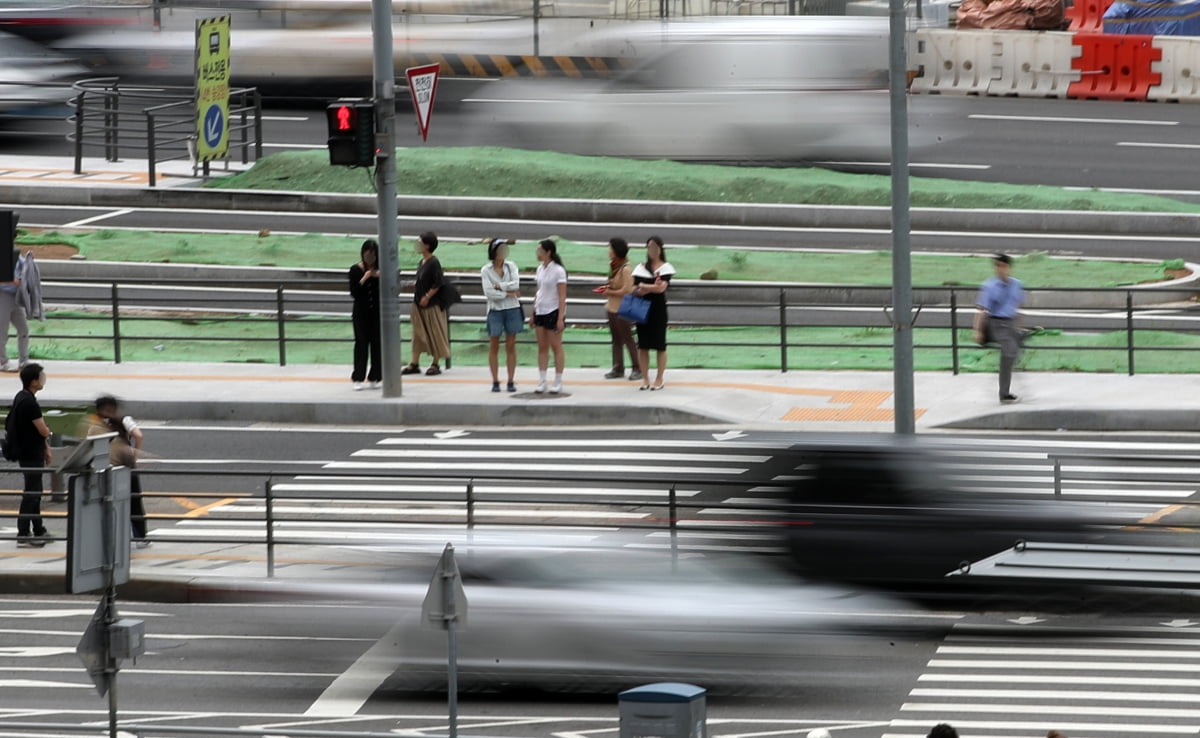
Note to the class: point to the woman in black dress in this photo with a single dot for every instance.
(364, 288)
(651, 281)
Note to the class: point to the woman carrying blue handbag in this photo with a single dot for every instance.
(651, 281)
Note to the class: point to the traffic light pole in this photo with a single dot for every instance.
(385, 187)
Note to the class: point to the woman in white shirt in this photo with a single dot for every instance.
(502, 288)
(549, 313)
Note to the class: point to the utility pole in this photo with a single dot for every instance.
(902, 321)
(385, 188)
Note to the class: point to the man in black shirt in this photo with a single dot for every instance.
(31, 436)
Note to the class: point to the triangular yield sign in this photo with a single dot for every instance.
(422, 83)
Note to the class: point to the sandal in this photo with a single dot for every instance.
(411, 369)
(432, 371)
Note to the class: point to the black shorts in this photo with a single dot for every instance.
(549, 321)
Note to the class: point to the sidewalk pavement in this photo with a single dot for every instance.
(857, 401)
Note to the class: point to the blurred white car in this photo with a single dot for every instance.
(787, 88)
(32, 76)
(599, 619)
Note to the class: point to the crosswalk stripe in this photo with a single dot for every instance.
(1058, 665)
(1073, 710)
(616, 469)
(372, 484)
(536, 453)
(527, 442)
(1060, 651)
(1063, 694)
(1057, 679)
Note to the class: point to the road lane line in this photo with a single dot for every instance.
(350, 691)
(1064, 119)
(101, 216)
(1154, 145)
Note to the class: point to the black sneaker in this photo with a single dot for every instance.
(614, 374)
(635, 375)
(1007, 399)
(29, 542)
(512, 387)
(495, 386)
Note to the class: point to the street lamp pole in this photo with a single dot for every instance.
(385, 188)
(902, 322)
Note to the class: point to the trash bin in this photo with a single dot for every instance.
(663, 710)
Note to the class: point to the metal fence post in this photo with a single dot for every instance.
(783, 331)
(1057, 477)
(954, 330)
(116, 322)
(80, 102)
(673, 525)
(258, 138)
(279, 324)
(470, 503)
(112, 121)
(270, 520)
(150, 153)
(1129, 328)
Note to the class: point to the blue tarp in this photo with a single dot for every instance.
(1153, 18)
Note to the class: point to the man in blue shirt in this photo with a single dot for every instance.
(999, 304)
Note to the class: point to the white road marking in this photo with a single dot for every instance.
(71, 613)
(1063, 119)
(519, 442)
(1156, 145)
(41, 684)
(538, 453)
(35, 652)
(628, 469)
(1032, 727)
(1059, 651)
(1063, 694)
(350, 691)
(911, 164)
(1116, 666)
(1073, 710)
(376, 484)
(1135, 191)
(57, 651)
(96, 218)
(1057, 679)
(292, 146)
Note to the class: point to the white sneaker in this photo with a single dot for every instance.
(556, 387)
(376, 385)
(359, 386)
(541, 387)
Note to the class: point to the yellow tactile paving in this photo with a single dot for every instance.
(67, 175)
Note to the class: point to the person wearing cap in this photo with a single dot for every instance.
(502, 288)
(999, 307)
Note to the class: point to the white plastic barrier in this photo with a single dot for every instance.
(952, 61)
(1180, 69)
(1034, 64)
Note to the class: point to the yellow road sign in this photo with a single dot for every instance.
(212, 88)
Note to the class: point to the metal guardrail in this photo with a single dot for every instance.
(159, 121)
(666, 512)
(1152, 471)
(293, 306)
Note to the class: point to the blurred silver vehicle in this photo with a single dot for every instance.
(780, 88)
(32, 76)
(602, 618)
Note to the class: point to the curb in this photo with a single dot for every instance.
(413, 412)
(620, 211)
(1071, 419)
(168, 589)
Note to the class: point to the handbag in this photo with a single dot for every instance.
(634, 309)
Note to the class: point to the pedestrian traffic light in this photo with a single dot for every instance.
(8, 244)
(351, 132)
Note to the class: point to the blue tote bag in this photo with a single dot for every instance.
(633, 308)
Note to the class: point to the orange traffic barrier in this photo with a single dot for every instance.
(1114, 67)
(1087, 16)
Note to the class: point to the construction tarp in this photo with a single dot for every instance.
(1153, 18)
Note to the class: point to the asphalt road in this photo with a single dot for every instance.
(999, 674)
(1070, 143)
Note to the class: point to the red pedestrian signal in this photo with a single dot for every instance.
(351, 127)
(344, 114)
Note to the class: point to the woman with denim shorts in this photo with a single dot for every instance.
(502, 288)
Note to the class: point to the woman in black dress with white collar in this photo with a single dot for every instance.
(651, 281)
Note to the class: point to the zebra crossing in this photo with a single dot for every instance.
(389, 490)
(1027, 676)
(390, 493)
